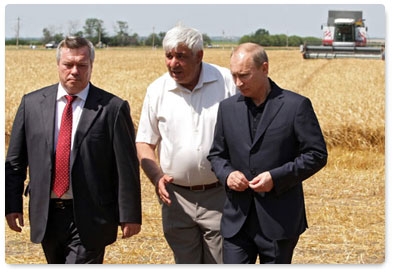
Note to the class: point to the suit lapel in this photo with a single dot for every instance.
(91, 110)
(48, 109)
(273, 105)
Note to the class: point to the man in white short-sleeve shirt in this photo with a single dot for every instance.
(178, 119)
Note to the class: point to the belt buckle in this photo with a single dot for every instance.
(199, 190)
(60, 205)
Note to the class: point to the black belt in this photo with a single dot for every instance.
(61, 203)
(200, 187)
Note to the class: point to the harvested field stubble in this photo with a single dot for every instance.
(345, 201)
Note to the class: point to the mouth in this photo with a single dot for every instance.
(176, 72)
(177, 75)
(73, 80)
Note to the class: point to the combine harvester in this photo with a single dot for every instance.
(344, 36)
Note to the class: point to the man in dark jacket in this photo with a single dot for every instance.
(102, 180)
(267, 141)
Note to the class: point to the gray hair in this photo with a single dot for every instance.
(181, 35)
(75, 42)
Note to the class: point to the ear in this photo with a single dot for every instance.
(265, 67)
(199, 55)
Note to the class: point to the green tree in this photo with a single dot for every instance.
(162, 36)
(246, 39)
(263, 38)
(295, 41)
(262, 32)
(206, 39)
(49, 36)
(122, 36)
(134, 40)
(79, 33)
(312, 40)
(94, 31)
(154, 40)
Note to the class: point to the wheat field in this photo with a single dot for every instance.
(345, 201)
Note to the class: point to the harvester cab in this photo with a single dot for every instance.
(344, 36)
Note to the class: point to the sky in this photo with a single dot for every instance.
(223, 20)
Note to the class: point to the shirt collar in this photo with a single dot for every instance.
(82, 95)
(206, 76)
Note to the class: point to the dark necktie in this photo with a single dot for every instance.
(62, 159)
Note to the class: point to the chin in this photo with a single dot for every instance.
(244, 93)
(178, 80)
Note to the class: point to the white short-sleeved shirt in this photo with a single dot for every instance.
(181, 122)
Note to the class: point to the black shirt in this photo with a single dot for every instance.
(254, 115)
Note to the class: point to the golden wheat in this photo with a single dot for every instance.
(345, 201)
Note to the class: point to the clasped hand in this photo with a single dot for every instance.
(261, 183)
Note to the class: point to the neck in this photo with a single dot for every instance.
(258, 101)
(192, 84)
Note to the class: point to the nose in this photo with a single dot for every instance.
(238, 82)
(74, 70)
(174, 62)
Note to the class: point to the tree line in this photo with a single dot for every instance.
(264, 38)
(94, 31)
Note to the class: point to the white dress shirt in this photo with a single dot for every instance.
(181, 122)
(78, 105)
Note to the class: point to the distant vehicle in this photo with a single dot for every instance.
(344, 36)
(51, 44)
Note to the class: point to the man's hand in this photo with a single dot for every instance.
(262, 183)
(237, 181)
(15, 221)
(161, 189)
(130, 229)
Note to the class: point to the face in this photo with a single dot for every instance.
(184, 66)
(74, 68)
(250, 80)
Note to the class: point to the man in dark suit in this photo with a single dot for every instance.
(104, 179)
(267, 141)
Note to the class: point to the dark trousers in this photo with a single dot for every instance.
(61, 243)
(250, 242)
